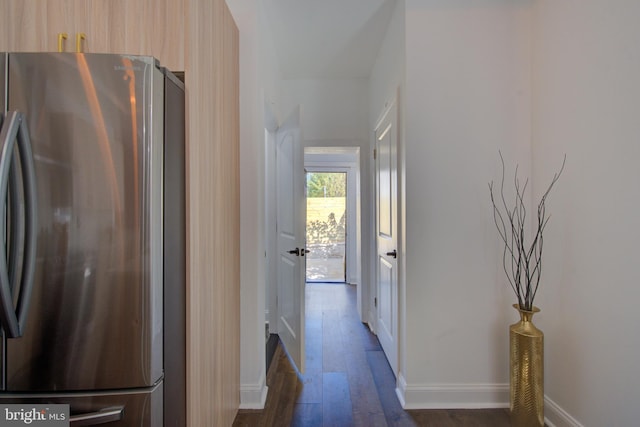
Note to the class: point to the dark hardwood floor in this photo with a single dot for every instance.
(347, 381)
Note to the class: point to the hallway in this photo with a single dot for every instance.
(347, 381)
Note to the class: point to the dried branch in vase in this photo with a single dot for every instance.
(522, 262)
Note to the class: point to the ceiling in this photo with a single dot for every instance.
(327, 38)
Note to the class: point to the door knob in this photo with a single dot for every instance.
(295, 251)
(304, 251)
(393, 253)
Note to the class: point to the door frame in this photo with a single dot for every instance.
(339, 162)
(389, 105)
(352, 153)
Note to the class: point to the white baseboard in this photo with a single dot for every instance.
(472, 396)
(400, 388)
(253, 396)
(452, 396)
(555, 416)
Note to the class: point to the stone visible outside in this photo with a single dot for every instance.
(326, 268)
(326, 239)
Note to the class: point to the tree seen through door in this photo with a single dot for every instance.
(326, 226)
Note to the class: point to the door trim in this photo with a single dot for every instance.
(391, 108)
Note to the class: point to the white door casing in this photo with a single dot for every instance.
(290, 229)
(344, 159)
(386, 234)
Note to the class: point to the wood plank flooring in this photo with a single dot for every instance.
(348, 381)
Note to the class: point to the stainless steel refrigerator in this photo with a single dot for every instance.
(92, 246)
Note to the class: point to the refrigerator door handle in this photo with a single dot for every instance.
(31, 218)
(15, 130)
(103, 416)
(8, 136)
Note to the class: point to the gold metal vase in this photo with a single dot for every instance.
(527, 371)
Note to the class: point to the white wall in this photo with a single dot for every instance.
(252, 342)
(483, 76)
(332, 109)
(270, 81)
(387, 85)
(269, 72)
(387, 74)
(587, 105)
(467, 96)
(258, 79)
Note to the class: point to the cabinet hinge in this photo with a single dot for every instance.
(375, 302)
(374, 153)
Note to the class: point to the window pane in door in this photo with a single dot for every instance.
(326, 226)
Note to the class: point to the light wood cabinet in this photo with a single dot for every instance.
(136, 27)
(165, 34)
(23, 25)
(63, 16)
(213, 123)
(140, 27)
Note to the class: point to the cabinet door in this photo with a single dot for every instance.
(5, 34)
(23, 25)
(165, 38)
(137, 27)
(106, 26)
(34, 25)
(62, 16)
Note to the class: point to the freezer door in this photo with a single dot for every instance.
(135, 408)
(95, 320)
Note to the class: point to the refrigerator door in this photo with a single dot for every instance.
(134, 408)
(95, 320)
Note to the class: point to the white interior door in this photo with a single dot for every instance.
(290, 228)
(386, 235)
